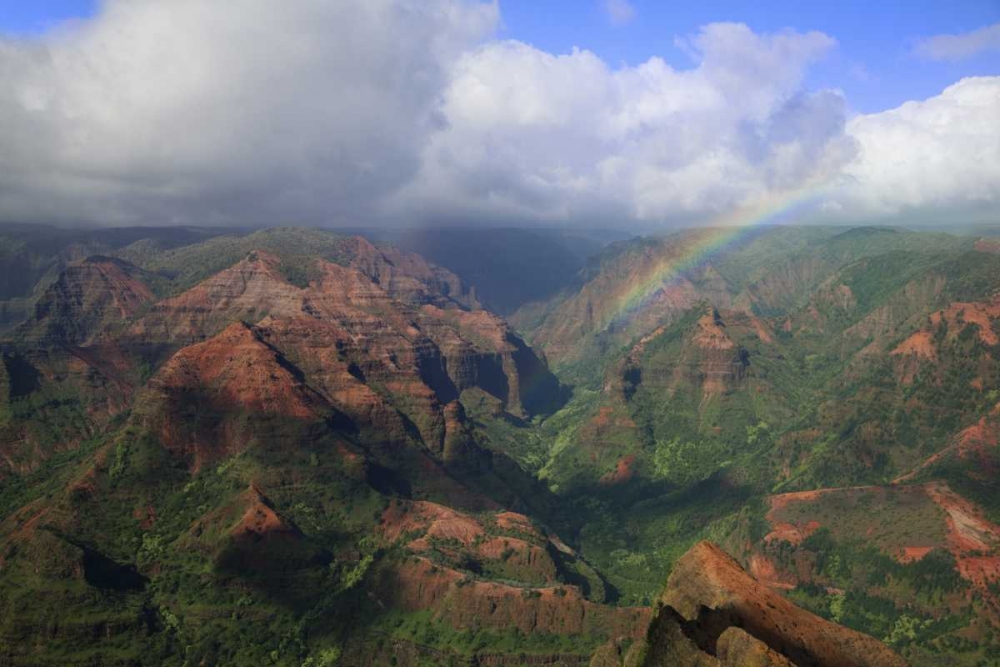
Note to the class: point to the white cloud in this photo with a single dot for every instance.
(962, 46)
(937, 155)
(399, 111)
(566, 136)
(620, 11)
(250, 111)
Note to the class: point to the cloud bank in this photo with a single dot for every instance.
(409, 111)
(250, 111)
(961, 46)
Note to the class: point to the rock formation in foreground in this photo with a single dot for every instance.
(713, 613)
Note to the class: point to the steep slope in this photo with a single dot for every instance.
(446, 349)
(405, 276)
(299, 446)
(636, 286)
(842, 359)
(266, 423)
(713, 613)
(200, 401)
(88, 299)
(32, 256)
(374, 307)
(66, 376)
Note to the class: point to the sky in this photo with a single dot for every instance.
(571, 112)
(873, 64)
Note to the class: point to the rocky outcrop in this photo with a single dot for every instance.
(507, 546)
(406, 276)
(706, 359)
(466, 603)
(249, 290)
(66, 359)
(713, 612)
(377, 319)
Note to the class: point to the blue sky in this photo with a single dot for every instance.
(874, 63)
(34, 16)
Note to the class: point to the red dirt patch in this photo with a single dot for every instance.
(976, 438)
(960, 314)
(765, 571)
(988, 245)
(260, 518)
(622, 473)
(515, 522)
(146, 516)
(711, 335)
(788, 532)
(971, 537)
(913, 554)
(761, 330)
(920, 344)
(973, 441)
(431, 519)
(606, 416)
(782, 500)
(418, 584)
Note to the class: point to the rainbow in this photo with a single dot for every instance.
(719, 235)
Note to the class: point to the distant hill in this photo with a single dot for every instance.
(508, 267)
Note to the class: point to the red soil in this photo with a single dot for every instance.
(959, 314)
(782, 500)
(146, 516)
(607, 416)
(912, 554)
(761, 330)
(968, 530)
(988, 245)
(515, 522)
(418, 584)
(920, 344)
(241, 370)
(710, 334)
(974, 441)
(706, 578)
(431, 520)
(622, 473)
(765, 571)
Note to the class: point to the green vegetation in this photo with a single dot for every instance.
(665, 440)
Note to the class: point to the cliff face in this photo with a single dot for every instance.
(377, 320)
(406, 276)
(343, 345)
(714, 613)
(383, 339)
(88, 298)
(707, 360)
